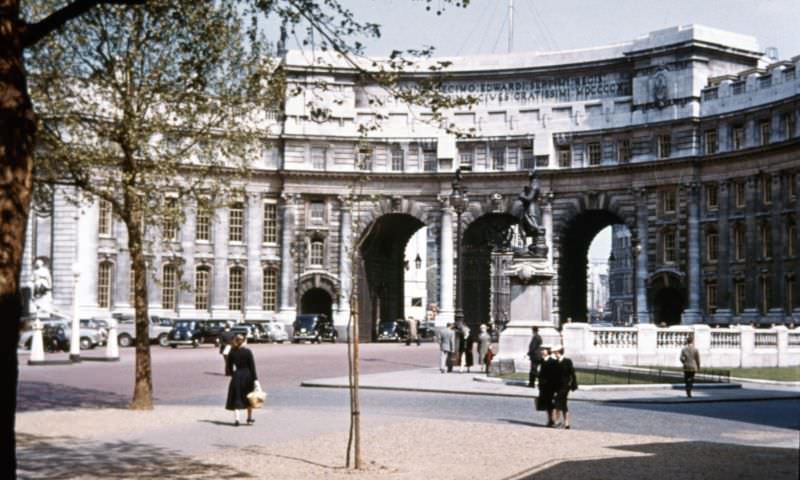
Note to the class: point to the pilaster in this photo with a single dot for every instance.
(288, 217)
(255, 227)
(219, 284)
(642, 313)
(187, 234)
(750, 313)
(446, 312)
(776, 312)
(724, 284)
(693, 313)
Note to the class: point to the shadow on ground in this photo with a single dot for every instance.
(33, 396)
(678, 461)
(42, 457)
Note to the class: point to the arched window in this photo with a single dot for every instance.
(269, 294)
(202, 282)
(169, 287)
(104, 276)
(236, 288)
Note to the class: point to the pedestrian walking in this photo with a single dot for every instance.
(469, 348)
(243, 380)
(484, 342)
(566, 381)
(413, 331)
(460, 347)
(535, 355)
(547, 385)
(690, 358)
(225, 345)
(446, 348)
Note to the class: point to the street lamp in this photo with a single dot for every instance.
(459, 202)
(75, 337)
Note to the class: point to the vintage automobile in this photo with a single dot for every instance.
(315, 327)
(195, 332)
(251, 332)
(157, 331)
(392, 331)
(90, 336)
(275, 332)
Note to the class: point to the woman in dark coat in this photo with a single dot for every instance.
(243, 381)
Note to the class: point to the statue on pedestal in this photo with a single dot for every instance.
(42, 287)
(529, 215)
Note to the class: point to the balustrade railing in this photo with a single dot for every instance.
(726, 340)
(766, 340)
(794, 339)
(615, 338)
(672, 338)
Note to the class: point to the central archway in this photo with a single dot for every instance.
(381, 279)
(317, 300)
(575, 239)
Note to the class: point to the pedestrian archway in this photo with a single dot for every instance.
(317, 300)
(668, 297)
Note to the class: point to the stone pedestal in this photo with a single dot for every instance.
(531, 280)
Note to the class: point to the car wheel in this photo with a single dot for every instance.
(125, 340)
(163, 340)
(195, 343)
(86, 343)
(173, 345)
(281, 342)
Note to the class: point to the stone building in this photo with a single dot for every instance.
(687, 136)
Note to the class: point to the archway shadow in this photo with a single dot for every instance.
(32, 396)
(45, 457)
(678, 461)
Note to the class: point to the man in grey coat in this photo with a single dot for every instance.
(447, 345)
(690, 358)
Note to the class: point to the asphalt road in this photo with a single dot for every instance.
(189, 376)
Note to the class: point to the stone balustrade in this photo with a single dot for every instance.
(648, 345)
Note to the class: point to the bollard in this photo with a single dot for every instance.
(112, 349)
(37, 343)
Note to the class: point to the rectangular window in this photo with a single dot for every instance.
(789, 124)
(466, 159)
(528, 160)
(763, 132)
(739, 242)
(270, 291)
(738, 297)
(316, 213)
(624, 151)
(499, 158)
(792, 186)
(202, 225)
(738, 87)
(791, 240)
(235, 288)
(766, 190)
(429, 160)
(765, 231)
(711, 297)
(765, 287)
(791, 304)
(105, 222)
(739, 193)
(668, 201)
(565, 157)
(397, 158)
(542, 160)
(202, 283)
(318, 158)
(270, 222)
(737, 137)
(712, 201)
(712, 246)
(169, 284)
(104, 285)
(317, 255)
(365, 159)
(664, 146)
(595, 153)
(710, 142)
(669, 247)
(171, 218)
(236, 222)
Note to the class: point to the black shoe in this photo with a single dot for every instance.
(251, 421)
(236, 423)
(566, 427)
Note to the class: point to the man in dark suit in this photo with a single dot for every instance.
(535, 354)
(547, 382)
(566, 381)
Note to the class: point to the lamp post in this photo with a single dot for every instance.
(459, 202)
(75, 337)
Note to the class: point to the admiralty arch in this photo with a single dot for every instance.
(688, 137)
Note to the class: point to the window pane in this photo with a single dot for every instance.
(270, 223)
(169, 284)
(235, 288)
(270, 293)
(397, 159)
(201, 288)
(203, 225)
(106, 220)
(104, 285)
(236, 223)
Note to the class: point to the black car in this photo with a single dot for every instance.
(195, 332)
(314, 327)
(392, 331)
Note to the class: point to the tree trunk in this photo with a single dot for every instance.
(17, 131)
(143, 384)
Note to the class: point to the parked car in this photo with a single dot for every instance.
(195, 332)
(250, 332)
(391, 331)
(157, 331)
(314, 327)
(426, 330)
(275, 332)
(97, 324)
(90, 337)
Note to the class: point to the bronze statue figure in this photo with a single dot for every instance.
(528, 213)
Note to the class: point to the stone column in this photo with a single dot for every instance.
(796, 295)
(446, 289)
(750, 313)
(724, 311)
(778, 286)
(187, 234)
(642, 314)
(345, 256)
(87, 255)
(693, 314)
(219, 283)
(253, 308)
(286, 300)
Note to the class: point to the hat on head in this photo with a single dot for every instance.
(557, 348)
